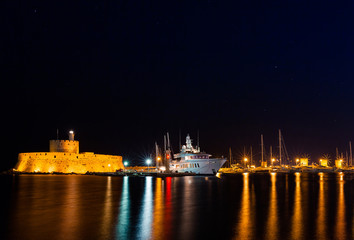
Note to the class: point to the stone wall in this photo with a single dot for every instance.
(68, 146)
(65, 162)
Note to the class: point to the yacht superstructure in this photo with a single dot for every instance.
(191, 159)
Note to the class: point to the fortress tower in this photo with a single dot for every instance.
(69, 146)
(64, 157)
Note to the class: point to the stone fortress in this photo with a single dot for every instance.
(64, 157)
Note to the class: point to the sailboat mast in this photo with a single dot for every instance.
(279, 147)
(350, 154)
(157, 155)
(262, 148)
(251, 156)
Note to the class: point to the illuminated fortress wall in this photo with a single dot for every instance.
(68, 162)
(69, 146)
(64, 157)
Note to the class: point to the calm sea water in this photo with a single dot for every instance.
(262, 206)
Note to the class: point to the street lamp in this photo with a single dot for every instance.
(148, 161)
(297, 161)
(273, 160)
(125, 163)
(245, 159)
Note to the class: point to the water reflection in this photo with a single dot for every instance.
(245, 222)
(272, 225)
(124, 211)
(297, 221)
(157, 225)
(168, 208)
(146, 211)
(107, 211)
(340, 218)
(90, 207)
(321, 210)
(188, 213)
(70, 209)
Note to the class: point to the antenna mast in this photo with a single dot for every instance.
(198, 140)
(350, 154)
(179, 136)
(262, 148)
(157, 155)
(279, 147)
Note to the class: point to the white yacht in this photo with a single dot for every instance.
(190, 159)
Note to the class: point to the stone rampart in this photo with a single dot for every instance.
(66, 162)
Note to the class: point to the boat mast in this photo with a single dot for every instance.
(262, 164)
(179, 136)
(350, 154)
(198, 140)
(230, 157)
(168, 155)
(157, 154)
(251, 156)
(279, 147)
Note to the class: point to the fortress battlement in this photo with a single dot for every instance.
(64, 157)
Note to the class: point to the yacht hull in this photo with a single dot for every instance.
(201, 167)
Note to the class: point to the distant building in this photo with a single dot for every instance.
(324, 162)
(338, 163)
(304, 161)
(64, 157)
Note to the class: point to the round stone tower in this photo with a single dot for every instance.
(69, 146)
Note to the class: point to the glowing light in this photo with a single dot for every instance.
(158, 158)
(71, 131)
(109, 165)
(245, 159)
(321, 176)
(148, 161)
(126, 163)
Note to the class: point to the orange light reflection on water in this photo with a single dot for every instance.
(272, 223)
(244, 228)
(107, 211)
(340, 218)
(70, 209)
(158, 223)
(321, 210)
(297, 221)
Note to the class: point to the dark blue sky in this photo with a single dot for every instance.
(122, 73)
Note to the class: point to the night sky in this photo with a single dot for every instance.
(122, 73)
